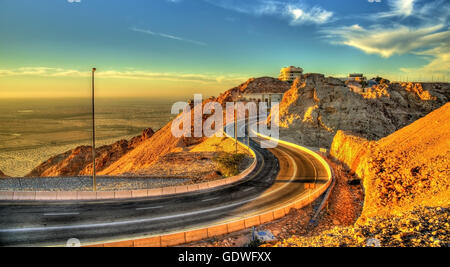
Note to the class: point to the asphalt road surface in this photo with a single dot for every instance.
(279, 178)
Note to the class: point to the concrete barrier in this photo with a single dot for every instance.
(121, 244)
(154, 192)
(253, 221)
(265, 218)
(6, 195)
(86, 195)
(196, 235)
(236, 226)
(105, 195)
(111, 195)
(122, 194)
(173, 239)
(148, 242)
(27, 196)
(46, 196)
(217, 230)
(139, 193)
(67, 195)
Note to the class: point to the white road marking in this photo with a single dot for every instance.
(210, 199)
(150, 208)
(248, 189)
(62, 214)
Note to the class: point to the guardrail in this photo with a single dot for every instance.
(130, 194)
(192, 235)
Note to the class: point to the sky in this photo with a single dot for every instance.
(175, 48)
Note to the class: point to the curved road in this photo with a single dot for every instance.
(278, 179)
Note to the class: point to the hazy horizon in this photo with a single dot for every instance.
(32, 131)
(165, 48)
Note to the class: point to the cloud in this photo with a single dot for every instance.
(74, 1)
(128, 74)
(438, 66)
(294, 11)
(387, 42)
(401, 8)
(168, 36)
(315, 15)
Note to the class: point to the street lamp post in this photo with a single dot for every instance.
(94, 184)
(235, 130)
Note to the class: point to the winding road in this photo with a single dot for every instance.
(282, 175)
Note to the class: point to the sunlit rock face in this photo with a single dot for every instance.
(407, 169)
(79, 160)
(316, 107)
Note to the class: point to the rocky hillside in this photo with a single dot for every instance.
(423, 227)
(407, 169)
(316, 107)
(79, 160)
(406, 178)
(254, 85)
(143, 154)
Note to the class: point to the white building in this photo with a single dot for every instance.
(357, 77)
(289, 74)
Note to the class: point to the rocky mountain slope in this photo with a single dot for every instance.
(145, 155)
(408, 169)
(422, 227)
(79, 160)
(316, 107)
(406, 178)
(254, 85)
(312, 111)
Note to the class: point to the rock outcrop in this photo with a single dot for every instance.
(79, 160)
(407, 169)
(316, 107)
(255, 86)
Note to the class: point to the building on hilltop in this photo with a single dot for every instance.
(289, 74)
(357, 77)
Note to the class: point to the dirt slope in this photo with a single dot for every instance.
(408, 169)
(79, 160)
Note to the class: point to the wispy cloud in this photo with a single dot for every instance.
(128, 74)
(426, 33)
(168, 36)
(314, 15)
(439, 64)
(295, 12)
(387, 42)
(399, 8)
